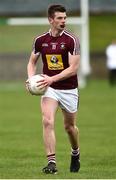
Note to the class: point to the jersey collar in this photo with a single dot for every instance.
(50, 32)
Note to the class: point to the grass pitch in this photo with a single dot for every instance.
(22, 154)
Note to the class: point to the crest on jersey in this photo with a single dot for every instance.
(62, 45)
(54, 61)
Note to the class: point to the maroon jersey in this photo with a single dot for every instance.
(55, 56)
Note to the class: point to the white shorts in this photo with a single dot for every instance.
(68, 99)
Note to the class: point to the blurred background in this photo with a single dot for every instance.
(22, 154)
(16, 40)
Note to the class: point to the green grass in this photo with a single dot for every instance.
(18, 39)
(102, 32)
(22, 154)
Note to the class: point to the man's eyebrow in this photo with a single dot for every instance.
(62, 17)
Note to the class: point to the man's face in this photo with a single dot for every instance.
(58, 21)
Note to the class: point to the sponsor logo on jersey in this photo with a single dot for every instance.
(44, 45)
(54, 61)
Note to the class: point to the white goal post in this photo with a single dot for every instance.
(82, 21)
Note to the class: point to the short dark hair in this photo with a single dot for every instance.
(55, 8)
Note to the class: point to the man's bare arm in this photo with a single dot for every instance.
(31, 67)
(74, 61)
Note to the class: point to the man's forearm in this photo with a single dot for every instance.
(31, 70)
(31, 67)
(65, 74)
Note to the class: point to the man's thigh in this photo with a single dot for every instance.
(48, 106)
(69, 118)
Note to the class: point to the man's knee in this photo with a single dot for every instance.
(48, 122)
(70, 129)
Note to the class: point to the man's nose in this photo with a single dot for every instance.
(63, 20)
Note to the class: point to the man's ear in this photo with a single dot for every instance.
(50, 20)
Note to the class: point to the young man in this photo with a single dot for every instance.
(60, 51)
